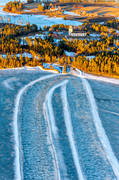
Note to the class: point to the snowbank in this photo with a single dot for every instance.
(72, 54)
(79, 73)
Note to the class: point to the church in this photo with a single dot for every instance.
(75, 32)
(27, 1)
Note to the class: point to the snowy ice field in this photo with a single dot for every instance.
(58, 126)
(39, 20)
(55, 126)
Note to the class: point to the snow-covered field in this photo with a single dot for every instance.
(71, 54)
(39, 20)
(57, 126)
(3, 2)
(71, 13)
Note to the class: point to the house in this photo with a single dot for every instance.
(26, 1)
(23, 1)
(76, 32)
(53, 9)
(29, 1)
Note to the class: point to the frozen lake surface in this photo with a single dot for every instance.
(39, 20)
(65, 126)
(57, 126)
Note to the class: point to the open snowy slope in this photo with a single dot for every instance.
(57, 126)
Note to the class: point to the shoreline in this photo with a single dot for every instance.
(73, 72)
(74, 13)
(31, 68)
(76, 17)
(103, 75)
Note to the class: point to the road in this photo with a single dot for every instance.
(57, 127)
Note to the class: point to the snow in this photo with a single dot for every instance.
(26, 10)
(69, 129)
(100, 130)
(39, 20)
(71, 13)
(111, 112)
(18, 173)
(57, 41)
(90, 57)
(49, 116)
(79, 73)
(71, 54)
(117, 31)
(101, 23)
(48, 70)
(7, 82)
(3, 2)
(18, 55)
(100, 78)
(26, 55)
(55, 66)
(95, 35)
(42, 36)
(28, 68)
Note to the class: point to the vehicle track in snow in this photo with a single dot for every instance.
(55, 89)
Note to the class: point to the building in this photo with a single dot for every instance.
(29, 1)
(26, 1)
(53, 9)
(23, 1)
(35, 1)
(76, 32)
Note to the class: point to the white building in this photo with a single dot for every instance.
(76, 32)
(26, 1)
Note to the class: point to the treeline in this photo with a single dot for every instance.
(10, 41)
(44, 46)
(106, 28)
(105, 50)
(59, 27)
(113, 24)
(12, 30)
(10, 46)
(78, 1)
(95, 27)
(91, 47)
(13, 6)
(70, 1)
(13, 61)
(101, 64)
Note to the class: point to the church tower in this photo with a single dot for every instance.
(70, 29)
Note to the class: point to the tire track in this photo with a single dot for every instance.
(18, 168)
(100, 130)
(70, 133)
(53, 131)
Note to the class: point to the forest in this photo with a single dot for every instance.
(105, 50)
(15, 6)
